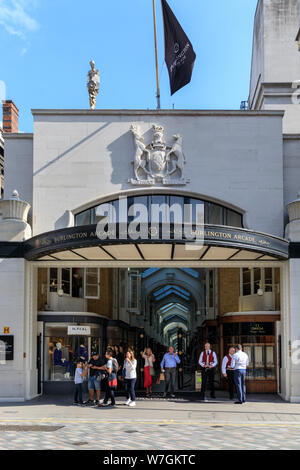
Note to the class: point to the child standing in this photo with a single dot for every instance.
(78, 379)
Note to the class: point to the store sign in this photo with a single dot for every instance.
(7, 348)
(257, 329)
(79, 330)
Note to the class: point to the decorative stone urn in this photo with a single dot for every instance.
(292, 230)
(13, 224)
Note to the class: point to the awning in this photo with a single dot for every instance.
(220, 243)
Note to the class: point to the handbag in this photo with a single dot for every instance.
(152, 371)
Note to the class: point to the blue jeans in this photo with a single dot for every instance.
(240, 383)
(129, 387)
(94, 384)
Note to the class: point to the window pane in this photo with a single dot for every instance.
(246, 281)
(268, 280)
(53, 280)
(234, 219)
(257, 279)
(77, 282)
(133, 290)
(122, 288)
(91, 283)
(84, 218)
(66, 280)
(215, 214)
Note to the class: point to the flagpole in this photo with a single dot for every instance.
(156, 56)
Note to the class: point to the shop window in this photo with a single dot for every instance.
(258, 340)
(61, 351)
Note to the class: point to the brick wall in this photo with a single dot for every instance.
(229, 290)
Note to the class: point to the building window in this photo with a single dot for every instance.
(66, 281)
(133, 290)
(75, 282)
(92, 283)
(256, 281)
(53, 279)
(214, 214)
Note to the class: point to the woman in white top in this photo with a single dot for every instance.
(129, 371)
(148, 370)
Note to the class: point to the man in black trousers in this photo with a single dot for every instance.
(208, 361)
(228, 371)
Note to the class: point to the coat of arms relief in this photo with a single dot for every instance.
(157, 163)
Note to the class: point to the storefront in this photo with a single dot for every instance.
(260, 339)
(134, 260)
(64, 339)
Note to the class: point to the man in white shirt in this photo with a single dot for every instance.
(239, 363)
(208, 361)
(228, 372)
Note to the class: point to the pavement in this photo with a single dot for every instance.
(265, 422)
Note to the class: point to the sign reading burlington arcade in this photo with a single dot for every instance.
(88, 236)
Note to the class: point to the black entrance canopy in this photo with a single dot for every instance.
(219, 243)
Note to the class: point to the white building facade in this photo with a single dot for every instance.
(239, 169)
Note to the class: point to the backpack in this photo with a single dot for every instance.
(115, 365)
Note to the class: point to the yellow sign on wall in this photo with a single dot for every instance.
(6, 330)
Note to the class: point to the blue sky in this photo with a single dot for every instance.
(46, 46)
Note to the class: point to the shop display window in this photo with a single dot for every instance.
(258, 341)
(61, 351)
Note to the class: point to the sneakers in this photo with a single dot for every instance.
(88, 402)
(128, 402)
(132, 403)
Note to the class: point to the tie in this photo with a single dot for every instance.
(207, 358)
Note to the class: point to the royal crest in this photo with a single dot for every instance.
(157, 163)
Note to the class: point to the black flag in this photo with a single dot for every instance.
(179, 52)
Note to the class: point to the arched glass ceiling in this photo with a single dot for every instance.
(191, 272)
(149, 272)
(170, 289)
(167, 307)
(174, 316)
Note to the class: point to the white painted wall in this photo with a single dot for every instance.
(232, 156)
(18, 166)
(12, 374)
